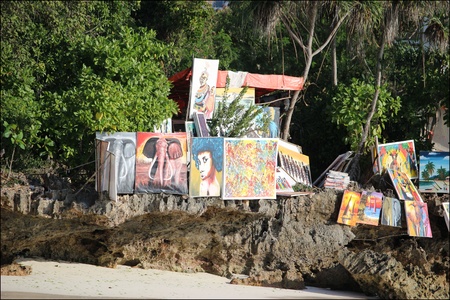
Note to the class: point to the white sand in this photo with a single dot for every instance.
(63, 280)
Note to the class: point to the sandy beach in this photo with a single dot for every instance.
(63, 280)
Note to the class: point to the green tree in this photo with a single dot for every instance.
(430, 168)
(442, 172)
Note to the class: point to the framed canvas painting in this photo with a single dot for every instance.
(294, 163)
(434, 172)
(274, 128)
(249, 170)
(201, 128)
(203, 87)
(417, 220)
(123, 146)
(205, 174)
(161, 163)
(446, 207)
(165, 127)
(348, 212)
(285, 183)
(391, 212)
(398, 156)
(403, 186)
(370, 214)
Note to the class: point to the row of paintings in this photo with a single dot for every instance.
(233, 168)
(372, 208)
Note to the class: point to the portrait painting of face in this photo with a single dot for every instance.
(206, 167)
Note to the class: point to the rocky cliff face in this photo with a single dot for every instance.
(288, 242)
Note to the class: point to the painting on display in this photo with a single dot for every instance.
(348, 213)
(285, 183)
(123, 146)
(247, 100)
(161, 163)
(203, 87)
(190, 134)
(403, 186)
(274, 129)
(391, 212)
(164, 127)
(205, 174)
(417, 220)
(370, 215)
(249, 170)
(201, 128)
(434, 172)
(445, 205)
(294, 163)
(398, 156)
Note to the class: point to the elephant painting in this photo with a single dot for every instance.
(161, 163)
(391, 212)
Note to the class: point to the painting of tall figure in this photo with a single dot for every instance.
(249, 168)
(205, 174)
(417, 219)
(161, 163)
(203, 87)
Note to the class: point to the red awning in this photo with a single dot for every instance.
(263, 84)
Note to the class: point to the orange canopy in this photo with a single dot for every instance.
(262, 83)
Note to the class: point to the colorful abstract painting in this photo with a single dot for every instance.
(203, 87)
(348, 213)
(161, 163)
(417, 220)
(391, 212)
(398, 156)
(434, 172)
(370, 214)
(403, 186)
(123, 146)
(249, 170)
(205, 174)
(294, 163)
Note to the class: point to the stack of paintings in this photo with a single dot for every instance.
(340, 164)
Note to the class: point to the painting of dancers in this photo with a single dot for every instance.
(417, 220)
(434, 172)
(403, 186)
(348, 213)
(398, 156)
(391, 212)
(370, 214)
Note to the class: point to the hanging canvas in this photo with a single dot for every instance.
(370, 214)
(403, 186)
(391, 212)
(434, 172)
(161, 163)
(417, 220)
(294, 163)
(205, 174)
(273, 130)
(348, 213)
(398, 156)
(445, 205)
(123, 146)
(203, 87)
(249, 168)
(285, 183)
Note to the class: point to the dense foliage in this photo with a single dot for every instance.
(71, 68)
